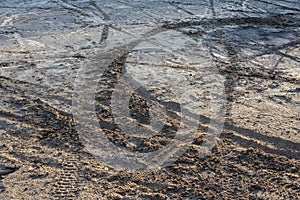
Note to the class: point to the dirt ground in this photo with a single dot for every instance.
(56, 56)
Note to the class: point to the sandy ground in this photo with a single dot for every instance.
(57, 55)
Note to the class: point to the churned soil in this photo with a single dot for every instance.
(45, 46)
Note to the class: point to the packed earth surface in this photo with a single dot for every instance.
(140, 99)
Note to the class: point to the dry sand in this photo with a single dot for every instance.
(254, 45)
